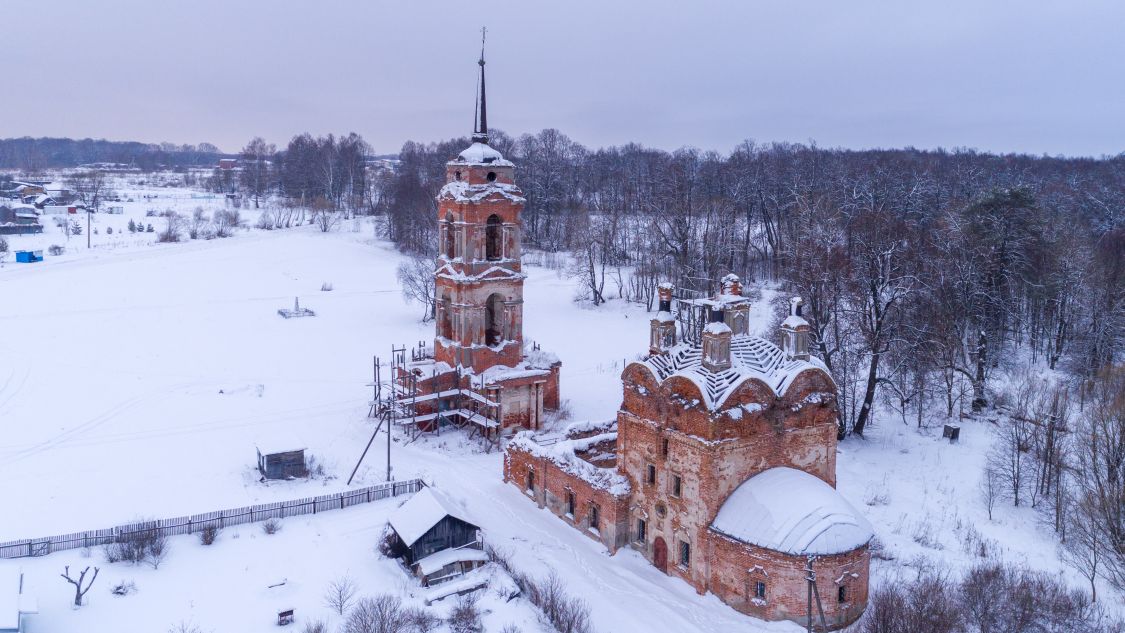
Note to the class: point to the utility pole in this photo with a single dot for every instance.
(88, 213)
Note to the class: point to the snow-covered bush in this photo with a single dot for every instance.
(271, 526)
(381, 614)
(145, 545)
(465, 616)
(3, 245)
(55, 249)
(420, 620)
(123, 588)
(990, 597)
(208, 534)
(315, 626)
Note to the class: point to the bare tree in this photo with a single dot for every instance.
(382, 614)
(989, 488)
(1083, 548)
(174, 223)
(79, 591)
(416, 276)
(340, 594)
(256, 167)
(198, 224)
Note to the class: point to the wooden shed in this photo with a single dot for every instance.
(435, 538)
(281, 458)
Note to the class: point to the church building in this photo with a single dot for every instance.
(720, 467)
(480, 372)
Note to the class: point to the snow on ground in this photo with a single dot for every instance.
(136, 378)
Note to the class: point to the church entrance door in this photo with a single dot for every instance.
(660, 554)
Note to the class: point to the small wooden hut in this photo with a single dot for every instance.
(435, 538)
(281, 458)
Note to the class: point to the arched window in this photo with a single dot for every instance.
(445, 325)
(450, 237)
(493, 235)
(491, 176)
(494, 320)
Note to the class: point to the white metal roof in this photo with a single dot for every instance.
(423, 511)
(791, 511)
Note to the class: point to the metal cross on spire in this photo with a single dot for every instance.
(480, 126)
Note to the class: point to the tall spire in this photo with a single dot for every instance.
(480, 126)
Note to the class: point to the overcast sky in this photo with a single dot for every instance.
(1035, 76)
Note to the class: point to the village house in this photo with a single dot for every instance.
(720, 467)
(19, 220)
(434, 538)
(480, 373)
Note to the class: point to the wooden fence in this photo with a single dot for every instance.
(219, 519)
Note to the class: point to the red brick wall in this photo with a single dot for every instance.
(551, 486)
(735, 567)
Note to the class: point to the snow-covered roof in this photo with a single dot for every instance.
(562, 451)
(461, 191)
(434, 562)
(423, 511)
(791, 511)
(751, 357)
(279, 442)
(793, 321)
(482, 154)
(12, 601)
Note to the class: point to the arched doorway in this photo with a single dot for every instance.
(494, 320)
(660, 554)
(493, 233)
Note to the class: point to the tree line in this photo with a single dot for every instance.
(923, 272)
(36, 154)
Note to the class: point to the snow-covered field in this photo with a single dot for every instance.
(135, 379)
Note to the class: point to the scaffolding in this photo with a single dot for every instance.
(422, 404)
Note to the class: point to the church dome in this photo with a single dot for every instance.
(791, 511)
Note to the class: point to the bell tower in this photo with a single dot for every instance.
(479, 280)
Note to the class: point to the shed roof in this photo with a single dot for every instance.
(279, 442)
(434, 562)
(12, 601)
(791, 511)
(423, 511)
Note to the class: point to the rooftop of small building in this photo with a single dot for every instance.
(423, 511)
(791, 511)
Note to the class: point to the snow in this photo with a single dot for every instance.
(717, 327)
(9, 599)
(110, 410)
(280, 442)
(437, 560)
(482, 154)
(423, 511)
(463, 192)
(791, 511)
(793, 322)
(752, 358)
(562, 452)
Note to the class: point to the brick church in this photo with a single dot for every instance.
(720, 467)
(479, 374)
